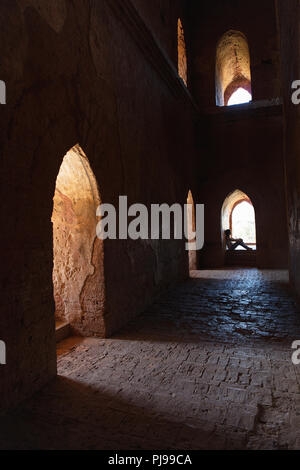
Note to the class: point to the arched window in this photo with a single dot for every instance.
(242, 222)
(182, 60)
(233, 74)
(238, 215)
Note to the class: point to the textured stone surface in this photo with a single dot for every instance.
(246, 138)
(78, 272)
(86, 73)
(243, 149)
(206, 367)
(75, 75)
(289, 22)
(257, 21)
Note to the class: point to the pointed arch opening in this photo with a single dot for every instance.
(182, 59)
(233, 72)
(191, 224)
(238, 215)
(78, 264)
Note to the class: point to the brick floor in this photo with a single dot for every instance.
(208, 366)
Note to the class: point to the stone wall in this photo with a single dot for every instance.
(289, 17)
(161, 17)
(103, 75)
(257, 21)
(80, 73)
(243, 148)
(243, 145)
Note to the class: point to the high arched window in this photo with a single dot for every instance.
(238, 215)
(182, 60)
(233, 74)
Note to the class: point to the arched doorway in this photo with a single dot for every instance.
(191, 231)
(78, 271)
(238, 215)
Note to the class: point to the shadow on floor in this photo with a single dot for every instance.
(185, 375)
(70, 415)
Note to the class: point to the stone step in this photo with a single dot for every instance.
(240, 258)
(62, 330)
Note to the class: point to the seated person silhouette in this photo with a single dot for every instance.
(233, 243)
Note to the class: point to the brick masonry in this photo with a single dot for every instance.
(206, 367)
